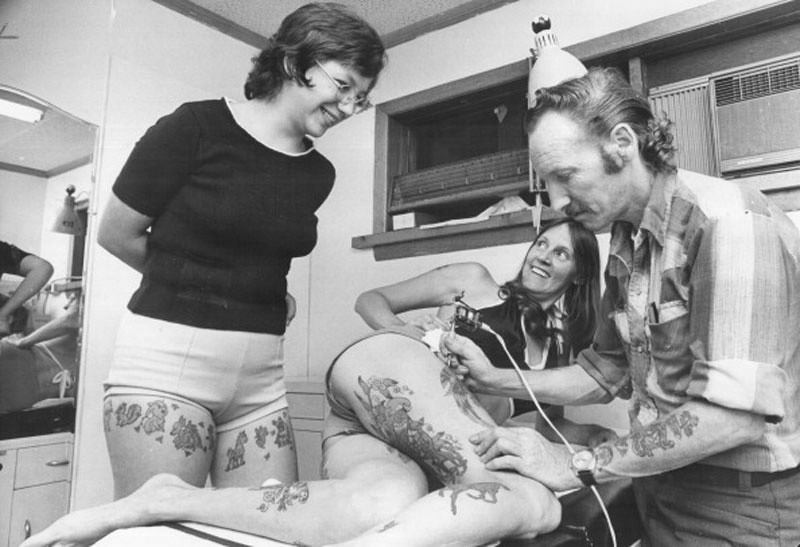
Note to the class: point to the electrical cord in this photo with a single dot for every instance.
(564, 441)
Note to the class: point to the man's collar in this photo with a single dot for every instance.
(656, 212)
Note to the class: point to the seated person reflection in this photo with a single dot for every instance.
(545, 314)
(35, 272)
(41, 365)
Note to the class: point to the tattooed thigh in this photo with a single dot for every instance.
(184, 428)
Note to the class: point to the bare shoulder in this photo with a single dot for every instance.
(470, 275)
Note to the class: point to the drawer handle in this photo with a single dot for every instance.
(27, 529)
(57, 463)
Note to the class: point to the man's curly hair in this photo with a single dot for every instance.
(601, 99)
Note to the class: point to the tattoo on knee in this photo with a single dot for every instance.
(282, 497)
(483, 491)
(388, 406)
(236, 454)
(463, 397)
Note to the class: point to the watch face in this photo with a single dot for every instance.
(583, 460)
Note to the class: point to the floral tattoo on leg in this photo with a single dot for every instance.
(388, 406)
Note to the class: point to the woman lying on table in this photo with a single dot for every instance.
(545, 314)
(400, 425)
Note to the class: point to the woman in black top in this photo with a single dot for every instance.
(546, 314)
(211, 206)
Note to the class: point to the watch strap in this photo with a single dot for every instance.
(587, 477)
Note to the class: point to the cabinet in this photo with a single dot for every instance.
(307, 409)
(34, 484)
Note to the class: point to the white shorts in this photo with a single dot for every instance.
(236, 376)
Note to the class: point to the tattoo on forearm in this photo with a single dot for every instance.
(463, 397)
(604, 455)
(657, 435)
(387, 405)
(283, 496)
(484, 491)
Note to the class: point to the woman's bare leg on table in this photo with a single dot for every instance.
(376, 483)
(403, 395)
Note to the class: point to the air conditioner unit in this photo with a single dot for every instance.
(756, 113)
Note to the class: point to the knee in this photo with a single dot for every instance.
(380, 500)
(542, 507)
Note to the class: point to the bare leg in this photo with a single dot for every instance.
(404, 396)
(151, 434)
(376, 484)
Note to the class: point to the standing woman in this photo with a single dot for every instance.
(211, 206)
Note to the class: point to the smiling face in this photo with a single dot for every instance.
(583, 181)
(550, 265)
(320, 105)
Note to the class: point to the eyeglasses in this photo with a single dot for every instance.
(345, 93)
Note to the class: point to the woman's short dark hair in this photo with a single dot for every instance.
(315, 32)
(601, 99)
(582, 297)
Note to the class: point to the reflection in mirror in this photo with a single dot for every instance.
(45, 183)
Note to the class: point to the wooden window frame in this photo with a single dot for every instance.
(699, 27)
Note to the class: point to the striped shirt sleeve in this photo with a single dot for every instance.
(743, 309)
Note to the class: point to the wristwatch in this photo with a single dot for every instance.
(584, 463)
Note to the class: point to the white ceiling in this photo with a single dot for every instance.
(59, 142)
(395, 20)
(55, 144)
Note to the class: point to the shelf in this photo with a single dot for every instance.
(505, 229)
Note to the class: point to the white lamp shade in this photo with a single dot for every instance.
(68, 221)
(553, 65)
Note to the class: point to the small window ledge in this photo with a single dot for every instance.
(505, 229)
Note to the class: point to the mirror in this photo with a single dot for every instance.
(46, 175)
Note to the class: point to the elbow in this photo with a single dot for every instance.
(362, 305)
(47, 269)
(110, 242)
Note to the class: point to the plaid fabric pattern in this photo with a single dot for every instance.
(720, 269)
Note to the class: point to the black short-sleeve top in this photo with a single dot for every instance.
(229, 215)
(11, 258)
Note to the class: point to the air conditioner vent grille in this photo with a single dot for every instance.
(751, 85)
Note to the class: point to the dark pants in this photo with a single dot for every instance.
(699, 507)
